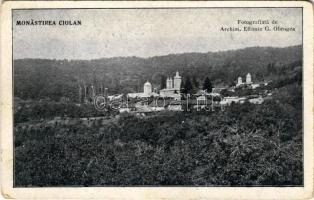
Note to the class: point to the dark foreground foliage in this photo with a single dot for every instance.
(244, 145)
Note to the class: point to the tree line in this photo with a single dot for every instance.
(188, 86)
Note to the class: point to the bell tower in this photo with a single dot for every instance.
(177, 82)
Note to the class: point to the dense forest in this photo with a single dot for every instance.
(244, 145)
(40, 78)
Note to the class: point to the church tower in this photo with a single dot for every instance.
(171, 83)
(177, 82)
(147, 88)
(248, 78)
(168, 83)
(239, 81)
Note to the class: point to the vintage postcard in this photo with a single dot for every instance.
(156, 100)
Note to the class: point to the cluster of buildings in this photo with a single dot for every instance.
(170, 98)
(172, 90)
(248, 80)
(254, 99)
(173, 87)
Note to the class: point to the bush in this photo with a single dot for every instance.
(244, 145)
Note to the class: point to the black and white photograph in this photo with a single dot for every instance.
(158, 97)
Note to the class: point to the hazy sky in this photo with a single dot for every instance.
(148, 32)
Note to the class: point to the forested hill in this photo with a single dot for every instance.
(39, 78)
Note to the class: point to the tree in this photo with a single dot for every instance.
(188, 85)
(182, 89)
(163, 82)
(232, 83)
(207, 85)
(195, 82)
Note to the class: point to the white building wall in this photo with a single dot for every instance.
(177, 84)
(239, 81)
(248, 78)
(147, 88)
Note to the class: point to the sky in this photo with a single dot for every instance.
(148, 32)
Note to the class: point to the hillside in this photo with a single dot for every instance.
(39, 78)
(57, 143)
(245, 145)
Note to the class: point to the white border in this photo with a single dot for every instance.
(138, 193)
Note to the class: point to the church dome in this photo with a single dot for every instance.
(147, 84)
